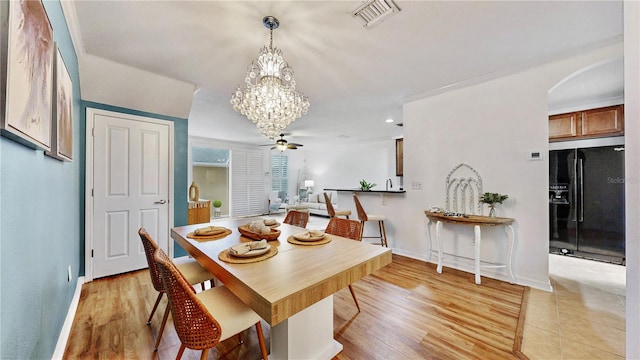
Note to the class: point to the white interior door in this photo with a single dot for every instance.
(131, 189)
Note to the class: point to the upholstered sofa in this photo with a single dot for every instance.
(315, 203)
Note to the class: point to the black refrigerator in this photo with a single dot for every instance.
(586, 203)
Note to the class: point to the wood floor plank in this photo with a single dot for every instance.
(408, 312)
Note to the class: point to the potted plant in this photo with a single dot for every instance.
(217, 204)
(366, 186)
(491, 199)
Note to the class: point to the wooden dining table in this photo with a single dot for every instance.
(293, 290)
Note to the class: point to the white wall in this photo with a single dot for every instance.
(632, 168)
(491, 126)
(344, 167)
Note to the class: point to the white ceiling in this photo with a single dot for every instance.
(355, 77)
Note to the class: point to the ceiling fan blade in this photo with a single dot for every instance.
(294, 144)
(266, 145)
(274, 147)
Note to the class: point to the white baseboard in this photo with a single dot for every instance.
(58, 353)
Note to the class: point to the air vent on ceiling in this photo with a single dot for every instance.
(373, 12)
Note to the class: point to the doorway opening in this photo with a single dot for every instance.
(210, 171)
(586, 164)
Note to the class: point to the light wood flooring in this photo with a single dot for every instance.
(408, 312)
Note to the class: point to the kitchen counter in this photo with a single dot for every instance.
(370, 191)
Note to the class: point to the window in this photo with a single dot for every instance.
(279, 173)
(210, 170)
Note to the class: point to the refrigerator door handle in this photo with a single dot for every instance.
(575, 190)
(581, 189)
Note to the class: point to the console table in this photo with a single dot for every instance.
(477, 222)
(199, 212)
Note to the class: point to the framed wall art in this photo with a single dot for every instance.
(62, 125)
(26, 73)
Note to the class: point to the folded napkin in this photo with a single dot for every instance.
(243, 248)
(209, 230)
(309, 235)
(270, 221)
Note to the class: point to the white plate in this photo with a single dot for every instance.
(253, 253)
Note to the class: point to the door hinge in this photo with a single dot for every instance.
(91, 252)
(91, 192)
(93, 131)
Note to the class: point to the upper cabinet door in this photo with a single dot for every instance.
(564, 126)
(601, 122)
(604, 121)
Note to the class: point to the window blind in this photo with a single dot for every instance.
(247, 189)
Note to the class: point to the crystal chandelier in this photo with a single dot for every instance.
(270, 99)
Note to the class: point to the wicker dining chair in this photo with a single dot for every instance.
(192, 271)
(364, 217)
(204, 319)
(297, 218)
(350, 229)
(332, 211)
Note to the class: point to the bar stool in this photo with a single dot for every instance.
(333, 212)
(364, 217)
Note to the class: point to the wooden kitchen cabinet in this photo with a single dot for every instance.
(563, 126)
(399, 157)
(600, 122)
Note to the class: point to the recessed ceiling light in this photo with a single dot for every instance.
(389, 121)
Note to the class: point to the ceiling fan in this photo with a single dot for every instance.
(282, 144)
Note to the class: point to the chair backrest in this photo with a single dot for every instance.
(196, 327)
(463, 190)
(362, 215)
(150, 247)
(350, 229)
(330, 210)
(297, 218)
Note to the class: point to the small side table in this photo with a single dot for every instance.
(477, 222)
(199, 212)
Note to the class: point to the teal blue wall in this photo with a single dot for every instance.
(41, 222)
(180, 165)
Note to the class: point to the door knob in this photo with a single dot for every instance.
(161, 202)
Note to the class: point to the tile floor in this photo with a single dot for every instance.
(584, 316)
